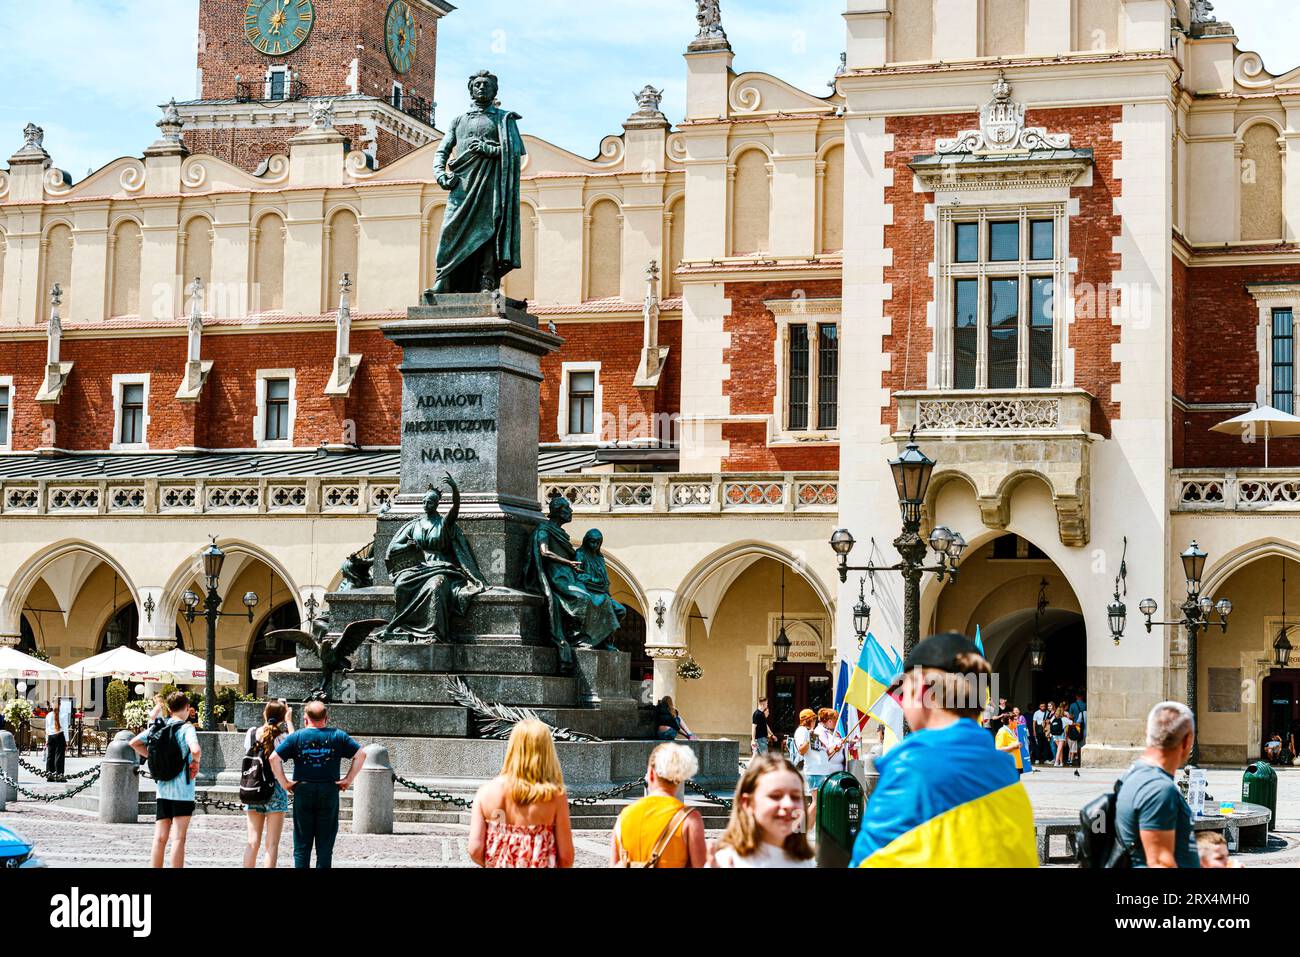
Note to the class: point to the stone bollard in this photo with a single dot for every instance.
(9, 765)
(119, 785)
(372, 796)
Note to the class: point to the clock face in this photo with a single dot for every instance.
(401, 36)
(277, 27)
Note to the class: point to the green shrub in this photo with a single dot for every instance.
(115, 700)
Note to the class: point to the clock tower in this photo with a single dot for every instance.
(262, 63)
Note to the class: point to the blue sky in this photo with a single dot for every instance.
(570, 67)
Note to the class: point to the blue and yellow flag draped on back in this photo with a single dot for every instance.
(947, 798)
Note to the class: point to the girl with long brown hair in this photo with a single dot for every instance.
(268, 818)
(765, 818)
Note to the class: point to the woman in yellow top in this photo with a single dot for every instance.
(1008, 742)
(660, 821)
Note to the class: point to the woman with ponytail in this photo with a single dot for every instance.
(269, 817)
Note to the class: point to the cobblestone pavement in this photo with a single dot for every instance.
(71, 837)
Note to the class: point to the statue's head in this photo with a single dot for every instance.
(432, 499)
(561, 510)
(483, 87)
(592, 541)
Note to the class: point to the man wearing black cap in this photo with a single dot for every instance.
(946, 797)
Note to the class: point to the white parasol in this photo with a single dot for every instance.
(181, 668)
(123, 660)
(1274, 423)
(264, 673)
(20, 667)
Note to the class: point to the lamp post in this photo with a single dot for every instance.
(1196, 619)
(912, 471)
(213, 558)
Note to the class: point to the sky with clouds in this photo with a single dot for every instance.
(92, 72)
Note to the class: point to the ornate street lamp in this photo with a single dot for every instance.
(213, 558)
(782, 644)
(1282, 649)
(1197, 611)
(861, 614)
(912, 472)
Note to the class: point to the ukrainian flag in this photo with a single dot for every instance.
(869, 687)
(947, 798)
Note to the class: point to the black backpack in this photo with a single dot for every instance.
(1097, 843)
(1057, 726)
(166, 761)
(256, 780)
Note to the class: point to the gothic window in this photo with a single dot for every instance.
(1284, 360)
(1000, 272)
(812, 369)
(277, 83)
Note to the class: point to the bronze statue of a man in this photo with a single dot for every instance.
(481, 228)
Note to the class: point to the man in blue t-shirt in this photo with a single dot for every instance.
(175, 797)
(317, 752)
(1151, 817)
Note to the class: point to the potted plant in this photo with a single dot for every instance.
(136, 715)
(18, 715)
(115, 698)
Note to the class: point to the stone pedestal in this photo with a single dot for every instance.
(471, 375)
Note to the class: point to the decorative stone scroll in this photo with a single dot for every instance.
(1002, 129)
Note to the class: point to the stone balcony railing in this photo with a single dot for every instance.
(180, 496)
(618, 493)
(1237, 490)
(769, 492)
(997, 439)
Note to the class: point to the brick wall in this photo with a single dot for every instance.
(1221, 364)
(628, 412)
(324, 60)
(248, 148)
(1179, 295)
(752, 384)
(1092, 233)
(223, 417)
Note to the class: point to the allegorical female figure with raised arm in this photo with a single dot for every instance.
(434, 572)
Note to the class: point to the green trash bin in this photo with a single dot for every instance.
(839, 817)
(1259, 786)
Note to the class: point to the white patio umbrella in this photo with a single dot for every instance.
(181, 668)
(122, 660)
(1272, 422)
(20, 667)
(264, 673)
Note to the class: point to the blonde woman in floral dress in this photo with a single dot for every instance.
(521, 817)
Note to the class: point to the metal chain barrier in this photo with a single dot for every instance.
(208, 802)
(708, 795)
(441, 797)
(57, 778)
(51, 798)
(607, 795)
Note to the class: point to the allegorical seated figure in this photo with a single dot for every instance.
(578, 615)
(434, 573)
(595, 576)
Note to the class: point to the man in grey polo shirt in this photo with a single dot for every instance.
(1151, 817)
